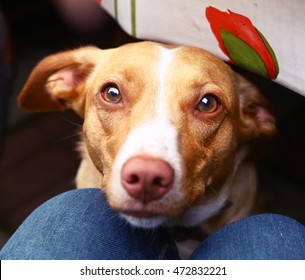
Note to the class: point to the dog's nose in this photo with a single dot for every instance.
(147, 179)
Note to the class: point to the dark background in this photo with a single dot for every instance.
(37, 154)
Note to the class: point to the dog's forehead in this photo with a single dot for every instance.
(198, 67)
(149, 54)
(136, 55)
(174, 62)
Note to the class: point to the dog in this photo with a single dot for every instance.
(168, 130)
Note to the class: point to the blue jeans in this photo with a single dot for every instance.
(80, 225)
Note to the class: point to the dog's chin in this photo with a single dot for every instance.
(140, 220)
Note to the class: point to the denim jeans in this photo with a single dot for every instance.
(79, 224)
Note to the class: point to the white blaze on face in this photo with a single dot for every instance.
(156, 137)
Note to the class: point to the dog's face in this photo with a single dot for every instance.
(163, 125)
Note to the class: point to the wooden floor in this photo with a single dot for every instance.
(38, 162)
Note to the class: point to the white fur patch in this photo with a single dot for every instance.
(163, 110)
(157, 138)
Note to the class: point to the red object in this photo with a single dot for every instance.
(243, 28)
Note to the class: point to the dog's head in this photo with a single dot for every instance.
(163, 125)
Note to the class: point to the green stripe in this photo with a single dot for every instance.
(116, 9)
(133, 18)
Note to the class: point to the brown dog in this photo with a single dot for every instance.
(166, 132)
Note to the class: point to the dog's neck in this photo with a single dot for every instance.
(232, 203)
(243, 174)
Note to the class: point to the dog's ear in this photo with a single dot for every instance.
(56, 82)
(256, 113)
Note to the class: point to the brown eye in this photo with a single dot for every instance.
(208, 104)
(112, 94)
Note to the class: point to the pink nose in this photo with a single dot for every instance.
(147, 179)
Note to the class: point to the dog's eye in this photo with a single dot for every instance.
(112, 94)
(208, 104)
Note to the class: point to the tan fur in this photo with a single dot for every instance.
(213, 147)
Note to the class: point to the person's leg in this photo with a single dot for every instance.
(80, 225)
(264, 236)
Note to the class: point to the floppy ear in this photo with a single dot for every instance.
(56, 82)
(257, 120)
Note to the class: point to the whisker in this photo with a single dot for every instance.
(78, 125)
(76, 134)
(115, 217)
(212, 189)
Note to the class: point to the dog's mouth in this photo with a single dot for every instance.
(144, 219)
(140, 214)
